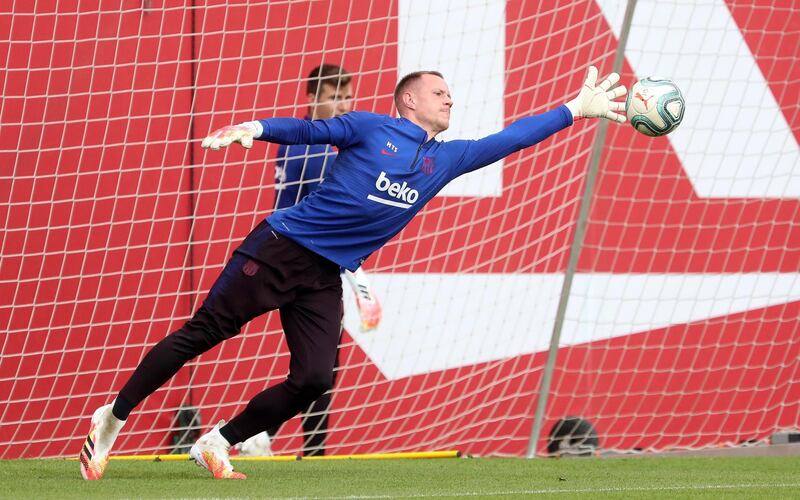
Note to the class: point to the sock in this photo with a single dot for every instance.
(229, 435)
(121, 408)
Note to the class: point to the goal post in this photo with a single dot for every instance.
(574, 252)
(681, 328)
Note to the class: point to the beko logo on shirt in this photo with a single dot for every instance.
(395, 190)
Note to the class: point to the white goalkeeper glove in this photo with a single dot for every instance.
(242, 133)
(598, 101)
(369, 309)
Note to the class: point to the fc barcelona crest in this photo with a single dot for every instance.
(250, 268)
(427, 165)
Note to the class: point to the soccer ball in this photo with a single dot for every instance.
(655, 106)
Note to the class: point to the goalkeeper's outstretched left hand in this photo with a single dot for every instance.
(242, 133)
(598, 101)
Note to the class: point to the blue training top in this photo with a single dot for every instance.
(299, 170)
(384, 174)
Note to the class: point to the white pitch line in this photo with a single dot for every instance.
(550, 491)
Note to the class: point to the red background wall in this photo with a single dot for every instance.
(116, 222)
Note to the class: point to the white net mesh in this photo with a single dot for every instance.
(683, 324)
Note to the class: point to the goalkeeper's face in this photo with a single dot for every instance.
(331, 101)
(433, 103)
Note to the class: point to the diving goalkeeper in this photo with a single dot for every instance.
(386, 170)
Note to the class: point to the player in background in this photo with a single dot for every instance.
(299, 170)
(387, 169)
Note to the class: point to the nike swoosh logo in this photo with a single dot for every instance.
(384, 152)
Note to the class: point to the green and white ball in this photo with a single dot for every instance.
(655, 106)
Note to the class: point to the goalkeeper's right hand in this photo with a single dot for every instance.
(242, 133)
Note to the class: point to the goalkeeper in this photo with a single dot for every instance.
(299, 171)
(386, 170)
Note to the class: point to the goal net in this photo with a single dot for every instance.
(682, 324)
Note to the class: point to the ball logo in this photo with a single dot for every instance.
(401, 192)
(645, 100)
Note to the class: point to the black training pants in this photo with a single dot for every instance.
(268, 271)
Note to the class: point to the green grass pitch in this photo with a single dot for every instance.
(651, 477)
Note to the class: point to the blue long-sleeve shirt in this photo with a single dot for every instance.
(385, 172)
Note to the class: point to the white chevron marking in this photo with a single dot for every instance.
(734, 140)
(465, 40)
(439, 321)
